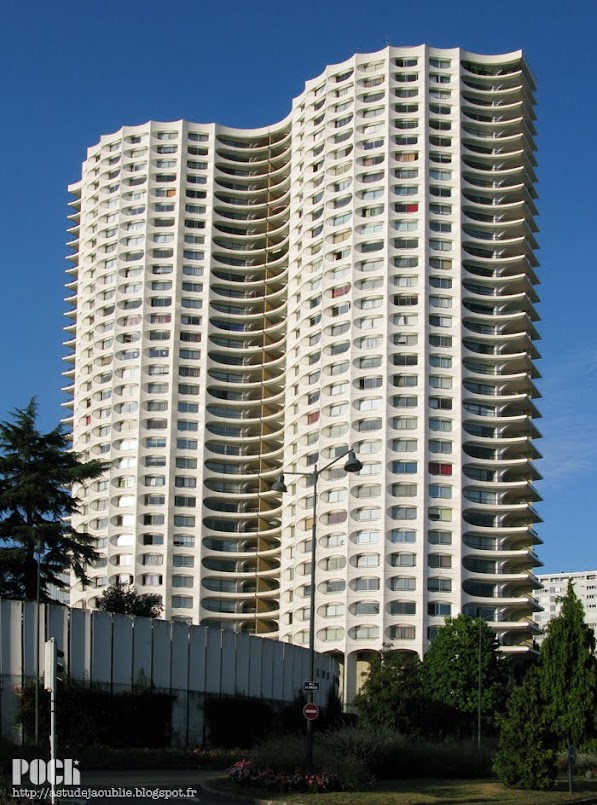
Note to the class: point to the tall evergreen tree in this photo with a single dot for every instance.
(526, 751)
(568, 673)
(37, 472)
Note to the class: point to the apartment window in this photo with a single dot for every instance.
(436, 537)
(404, 490)
(402, 632)
(403, 608)
(437, 513)
(404, 467)
(367, 491)
(364, 383)
(440, 341)
(179, 560)
(440, 446)
(439, 560)
(363, 584)
(182, 581)
(441, 282)
(369, 513)
(404, 512)
(405, 422)
(367, 560)
(441, 192)
(182, 602)
(405, 380)
(366, 537)
(183, 520)
(403, 535)
(366, 632)
(440, 321)
(435, 608)
(155, 461)
(183, 500)
(440, 491)
(437, 585)
(440, 226)
(440, 382)
(401, 583)
(155, 442)
(437, 468)
(183, 540)
(404, 401)
(155, 480)
(153, 519)
(153, 500)
(370, 195)
(153, 539)
(440, 424)
(186, 388)
(442, 361)
(186, 444)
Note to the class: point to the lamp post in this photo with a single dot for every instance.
(479, 690)
(352, 465)
(37, 631)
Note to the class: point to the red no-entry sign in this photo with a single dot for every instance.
(311, 712)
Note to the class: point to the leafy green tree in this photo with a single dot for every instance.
(568, 673)
(37, 472)
(392, 695)
(127, 601)
(526, 752)
(450, 670)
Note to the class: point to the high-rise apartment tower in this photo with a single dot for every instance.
(361, 275)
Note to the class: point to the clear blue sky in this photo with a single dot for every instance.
(71, 70)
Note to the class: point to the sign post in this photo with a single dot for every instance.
(51, 661)
(571, 763)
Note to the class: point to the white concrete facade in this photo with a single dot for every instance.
(361, 274)
(554, 589)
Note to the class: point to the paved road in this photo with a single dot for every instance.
(145, 787)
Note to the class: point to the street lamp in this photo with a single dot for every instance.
(352, 464)
(37, 630)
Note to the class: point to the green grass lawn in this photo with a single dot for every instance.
(431, 792)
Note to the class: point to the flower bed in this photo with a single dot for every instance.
(215, 758)
(244, 772)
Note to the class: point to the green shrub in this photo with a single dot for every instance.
(372, 748)
(356, 756)
(352, 771)
(284, 753)
(389, 755)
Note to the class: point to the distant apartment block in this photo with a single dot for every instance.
(554, 588)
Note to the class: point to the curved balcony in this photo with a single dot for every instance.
(247, 329)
